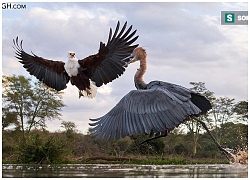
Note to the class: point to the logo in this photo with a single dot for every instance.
(234, 17)
(229, 17)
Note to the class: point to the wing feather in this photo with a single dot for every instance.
(123, 124)
(143, 111)
(51, 73)
(140, 124)
(109, 58)
(116, 31)
(137, 126)
(130, 124)
(117, 126)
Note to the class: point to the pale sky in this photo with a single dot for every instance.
(184, 41)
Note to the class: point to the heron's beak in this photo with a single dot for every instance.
(132, 60)
(129, 60)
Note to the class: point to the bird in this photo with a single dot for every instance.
(155, 108)
(88, 73)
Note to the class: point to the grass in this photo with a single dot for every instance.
(161, 161)
(177, 160)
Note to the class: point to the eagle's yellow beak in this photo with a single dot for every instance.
(72, 55)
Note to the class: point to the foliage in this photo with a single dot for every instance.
(70, 128)
(121, 146)
(234, 135)
(31, 104)
(10, 145)
(68, 125)
(43, 147)
(154, 147)
(9, 118)
(193, 126)
(222, 113)
(28, 106)
(241, 109)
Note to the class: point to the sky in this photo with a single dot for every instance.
(185, 42)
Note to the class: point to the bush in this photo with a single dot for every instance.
(39, 148)
(154, 147)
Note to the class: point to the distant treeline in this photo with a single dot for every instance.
(27, 106)
(71, 146)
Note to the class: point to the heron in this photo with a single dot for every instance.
(88, 73)
(155, 108)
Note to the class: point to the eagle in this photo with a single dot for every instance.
(88, 73)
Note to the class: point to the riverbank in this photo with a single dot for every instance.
(155, 161)
(178, 160)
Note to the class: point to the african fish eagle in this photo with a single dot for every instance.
(86, 74)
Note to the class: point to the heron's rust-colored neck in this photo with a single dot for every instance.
(138, 78)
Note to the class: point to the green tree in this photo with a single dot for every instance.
(241, 109)
(9, 118)
(68, 125)
(222, 112)
(234, 135)
(70, 129)
(32, 103)
(193, 126)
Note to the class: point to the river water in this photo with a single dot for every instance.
(125, 171)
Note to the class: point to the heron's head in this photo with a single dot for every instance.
(71, 54)
(138, 54)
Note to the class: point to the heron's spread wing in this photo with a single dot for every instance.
(144, 111)
(51, 73)
(107, 65)
(184, 94)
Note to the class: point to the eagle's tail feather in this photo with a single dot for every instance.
(89, 92)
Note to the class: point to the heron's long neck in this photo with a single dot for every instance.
(138, 78)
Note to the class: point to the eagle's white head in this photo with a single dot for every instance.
(71, 55)
(72, 65)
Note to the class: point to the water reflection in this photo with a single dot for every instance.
(131, 171)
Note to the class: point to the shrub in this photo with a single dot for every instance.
(39, 148)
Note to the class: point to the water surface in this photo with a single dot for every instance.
(125, 171)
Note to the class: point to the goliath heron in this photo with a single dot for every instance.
(154, 108)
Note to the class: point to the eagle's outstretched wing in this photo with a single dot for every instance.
(106, 65)
(101, 68)
(51, 73)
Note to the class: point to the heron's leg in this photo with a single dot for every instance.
(163, 134)
(217, 144)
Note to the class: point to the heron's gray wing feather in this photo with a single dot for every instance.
(144, 111)
(178, 91)
(184, 94)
